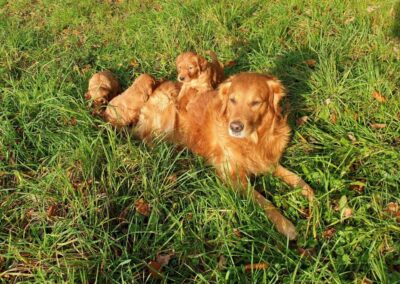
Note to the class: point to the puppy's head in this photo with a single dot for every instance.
(168, 88)
(145, 83)
(190, 65)
(247, 98)
(98, 96)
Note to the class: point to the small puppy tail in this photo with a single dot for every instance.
(214, 58)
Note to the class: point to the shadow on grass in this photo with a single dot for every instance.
(396, 24)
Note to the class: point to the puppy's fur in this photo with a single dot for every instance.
(103, 86)
(124, 109)
(196, 72)
(158, 115)
(241, 132)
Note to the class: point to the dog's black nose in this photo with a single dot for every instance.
(181, 78)
(236, 126)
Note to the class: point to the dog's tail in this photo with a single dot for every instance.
(214, 58)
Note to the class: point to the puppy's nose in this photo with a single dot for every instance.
(181, 78)
(236, 126)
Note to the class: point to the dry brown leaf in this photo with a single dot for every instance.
(237, 233)
(392, 208)
(351, 136)
(172, 179)
(370, 9)
(358, 186)
(221, 263)
(349, 20)
(378, 125)
(134, 63)
(308, 252)
(329, 233)
(230, 64)
(163, 259)
(379, 97)
(155, 269)
(142, 207)
(73, 121)
(301, 120)
(347, 212)
(311, 63)
(333, 118)
(51, 211)
(256, 266)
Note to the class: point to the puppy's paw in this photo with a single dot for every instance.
(287, 229)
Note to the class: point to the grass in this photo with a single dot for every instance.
(69, 182)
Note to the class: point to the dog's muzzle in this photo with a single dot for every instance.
(236, 129)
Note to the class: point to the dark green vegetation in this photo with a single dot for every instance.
(69, 182)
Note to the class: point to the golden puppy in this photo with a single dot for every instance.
(158, 115)
(103, 86)
(196, 72)
(241, 132)
(124, 109)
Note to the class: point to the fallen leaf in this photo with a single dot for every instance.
(311, 63)
(351, 136)
(73, 121)
(155, 269)
(370, 9)
(306, 213)
(221, 263)
(134, 63)
(392, 208)
(379, 97)
(237, 233)
(158, 7)
(51, 210)
(366, 281)
(327, 101)
(163, 259)
(347, 212)
(378, 125)
(329, 233)
(349, 20)
(142, 207)
(172, 179)
(333, 118)
(256, 266)
(301, 120)
(308, 252)
(358, 186)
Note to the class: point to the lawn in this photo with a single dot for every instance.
(81, 202)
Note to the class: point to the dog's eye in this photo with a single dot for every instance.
(255, 103)
(190, 68)
(232, 100)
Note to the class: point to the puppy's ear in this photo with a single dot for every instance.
(223, 93)
(202, 62)
(277, 92)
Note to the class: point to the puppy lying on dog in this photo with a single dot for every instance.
(158, 115)
(239, 129)
(124, 109)
(103, 86)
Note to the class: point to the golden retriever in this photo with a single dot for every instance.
(239, 129)
(124, 109)
(103, 86)
(158, 115)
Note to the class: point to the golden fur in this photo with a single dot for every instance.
(124, 109)
(158, 115)
(103, 86)
(240, 131)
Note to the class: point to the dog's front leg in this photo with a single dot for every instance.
(294, 181)
(282, 224)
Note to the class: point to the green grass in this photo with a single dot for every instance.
(69, 182)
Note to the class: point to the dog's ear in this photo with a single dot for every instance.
(202, 63)
(277, 92)
(223, 93)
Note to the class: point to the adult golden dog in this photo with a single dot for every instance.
(240, 130)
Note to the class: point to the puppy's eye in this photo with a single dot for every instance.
(255, 103)
(190, 68)
(232, 100)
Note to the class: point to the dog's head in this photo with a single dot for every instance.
(168, 88)
(145, 83)
(247, 99)
(98, 96)
(190, 65)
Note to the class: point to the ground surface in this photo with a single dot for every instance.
(69, 182)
